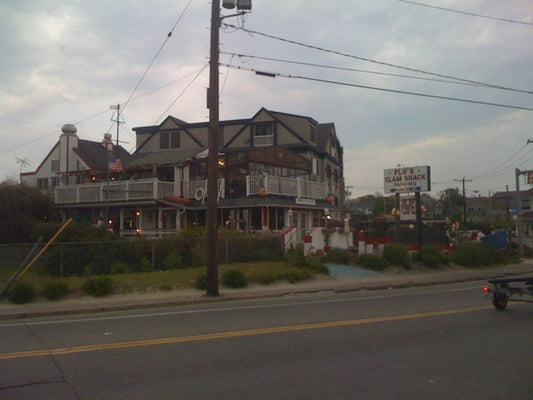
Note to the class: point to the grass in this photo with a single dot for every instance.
(175, 279)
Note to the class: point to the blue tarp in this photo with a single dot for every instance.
(498, 240)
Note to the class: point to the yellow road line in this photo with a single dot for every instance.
(234, 334)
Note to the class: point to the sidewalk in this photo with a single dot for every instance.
(392, 279)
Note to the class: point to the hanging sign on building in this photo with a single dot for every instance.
(407, 179)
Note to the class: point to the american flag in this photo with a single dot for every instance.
(114, 163)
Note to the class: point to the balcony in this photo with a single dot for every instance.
(291, 187)
(151, 189)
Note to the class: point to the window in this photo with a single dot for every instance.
(163, 140)
(312, 133)
(314, 166)
(175, 140)
(54, 181)
(335, 175)
(42, 183)
(328, 171)
(263, 134)
(55, 165)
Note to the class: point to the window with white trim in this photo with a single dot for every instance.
(263, 134)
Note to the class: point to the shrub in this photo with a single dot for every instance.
(431, 256)
(200, 282)
(234, 278)
(471, 254)
(55, 290)
(21, 293)
(372, 262)
(430, 260)
(295, 275)
(98, 286)
(338, 256)
(173, 260)
(397, 255)
(119, 268)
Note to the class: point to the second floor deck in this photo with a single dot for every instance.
(152, 189)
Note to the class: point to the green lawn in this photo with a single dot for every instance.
(262, 272)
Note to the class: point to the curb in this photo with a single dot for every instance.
(353, 286)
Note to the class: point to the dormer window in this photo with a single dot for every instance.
(263, 134)
(169, 140)
(312, 133)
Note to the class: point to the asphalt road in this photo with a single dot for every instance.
(437, 342)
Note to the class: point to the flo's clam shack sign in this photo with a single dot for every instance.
(407, 179)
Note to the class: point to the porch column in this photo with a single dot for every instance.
(265, 218)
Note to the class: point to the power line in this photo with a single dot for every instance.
(380, 89)
(182, 92)
(351, 69)
(167, 38)
(466, 12)
(252, 32)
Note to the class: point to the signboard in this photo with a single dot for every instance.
(407, 208)
(407, 179)
(305, 202)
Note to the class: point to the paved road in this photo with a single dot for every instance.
(419, 343)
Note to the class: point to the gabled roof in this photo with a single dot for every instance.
(96, 156)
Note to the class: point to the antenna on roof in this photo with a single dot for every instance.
(23, 162)
(118, 121)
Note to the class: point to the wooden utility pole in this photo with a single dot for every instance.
(212, 157)
(464, 199)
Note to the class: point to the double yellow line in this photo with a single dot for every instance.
(234, 334)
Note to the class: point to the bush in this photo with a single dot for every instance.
(21, 293)
(234, 278)
(430, 260)
(431, 256)
(397, 255)
(372, 262)
(200, 282)
(295, 275)
(98, 286)
(472, 254)
(338, 256)
(173, 260)
(55, 290)
(119, 268)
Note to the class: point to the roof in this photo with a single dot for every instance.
(96, 156)
(162, 157)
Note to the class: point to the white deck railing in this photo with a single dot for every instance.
(293, 187)
(148, 189)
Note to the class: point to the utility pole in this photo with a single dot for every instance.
(464, 198)
(212, 179)
(212, 157)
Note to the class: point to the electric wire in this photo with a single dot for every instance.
(181, 93)
(351, 69)
(167, 38)
(252, 32)
(274, 74)
(50, 134)
(501, 165)
(466, 12)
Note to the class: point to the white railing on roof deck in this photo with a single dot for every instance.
(141, 189)
(132, 190)
(293, 187)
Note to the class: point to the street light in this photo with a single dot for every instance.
(214, 121)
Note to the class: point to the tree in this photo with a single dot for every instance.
(452, 202)
(21, 207)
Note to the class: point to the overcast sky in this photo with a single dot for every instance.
(67, 61)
